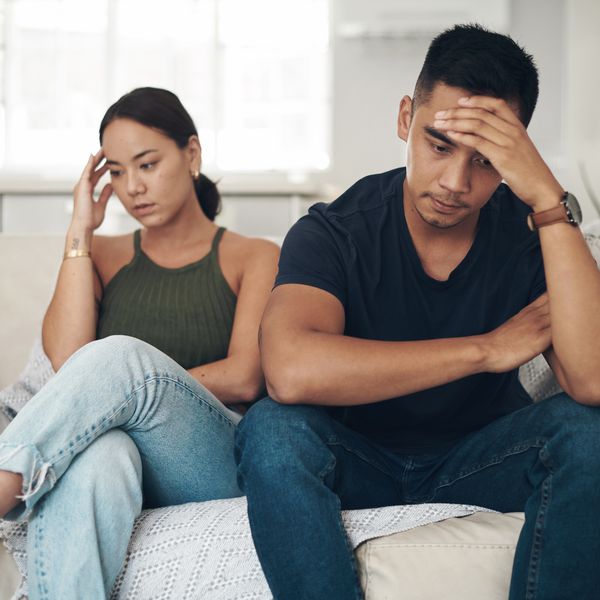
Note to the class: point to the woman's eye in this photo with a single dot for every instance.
(147, 166)
(115, 173)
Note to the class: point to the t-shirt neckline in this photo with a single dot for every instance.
(465, 264)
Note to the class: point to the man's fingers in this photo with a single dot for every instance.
(497, 106)
(476, 127)
(478, 114)
(478, 143)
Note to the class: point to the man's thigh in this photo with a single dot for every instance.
(290, 445)
(499, 466)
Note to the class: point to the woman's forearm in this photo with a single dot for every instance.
(232, 380)
(70, 321)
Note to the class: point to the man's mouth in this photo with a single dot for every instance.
(443, 205)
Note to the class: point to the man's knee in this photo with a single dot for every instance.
(576, 436)
(274, 440)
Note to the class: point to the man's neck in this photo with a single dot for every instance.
(440, 249)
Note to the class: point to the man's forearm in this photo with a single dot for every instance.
(333, 369)
(573, 282)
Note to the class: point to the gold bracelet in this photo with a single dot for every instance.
(76, 254)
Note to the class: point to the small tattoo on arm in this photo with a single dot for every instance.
(75, 244)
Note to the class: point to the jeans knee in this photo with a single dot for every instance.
(119, 354)
(576, 439)
(118, 347)
(274, 440)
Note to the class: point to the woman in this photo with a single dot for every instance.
(120, 416)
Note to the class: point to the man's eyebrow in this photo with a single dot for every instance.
(136, 157)
(439, 136)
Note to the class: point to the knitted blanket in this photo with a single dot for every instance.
(204, 551)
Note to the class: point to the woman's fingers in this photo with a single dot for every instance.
(95, 176)
(105, 194)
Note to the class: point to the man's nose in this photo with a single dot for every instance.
(456, 178)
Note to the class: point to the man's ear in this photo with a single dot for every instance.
(404, 117)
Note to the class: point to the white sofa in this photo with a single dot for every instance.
(466, 558)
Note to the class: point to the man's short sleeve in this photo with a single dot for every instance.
(312, 254)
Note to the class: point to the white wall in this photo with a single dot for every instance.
(582, 90)
(371, 75)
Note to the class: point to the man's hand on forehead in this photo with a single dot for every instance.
(491, 127)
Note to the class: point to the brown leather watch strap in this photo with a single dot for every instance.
(558, 214)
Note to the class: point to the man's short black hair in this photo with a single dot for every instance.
(482, 62)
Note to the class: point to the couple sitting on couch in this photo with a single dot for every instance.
(390, 347)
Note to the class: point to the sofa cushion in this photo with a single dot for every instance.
(466, 558)
(9, 574)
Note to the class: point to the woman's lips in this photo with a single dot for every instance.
(144, 208)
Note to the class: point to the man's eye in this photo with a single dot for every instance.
(484, 162)
(439, 149)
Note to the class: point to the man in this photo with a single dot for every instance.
(392, 340)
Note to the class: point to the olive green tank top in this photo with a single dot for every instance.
(186, 312)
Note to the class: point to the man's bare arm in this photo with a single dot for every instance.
(307, 359)
(490, 126)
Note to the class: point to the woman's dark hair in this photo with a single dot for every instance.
(482, 62)
(162, 110)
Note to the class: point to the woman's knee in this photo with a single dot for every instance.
(119, 346)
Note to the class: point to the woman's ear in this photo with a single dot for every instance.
(194, 151)
(404, 117)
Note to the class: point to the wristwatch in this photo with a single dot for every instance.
(568, 211)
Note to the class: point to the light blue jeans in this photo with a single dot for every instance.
(119, 422)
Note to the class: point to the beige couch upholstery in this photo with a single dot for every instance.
(458, 559)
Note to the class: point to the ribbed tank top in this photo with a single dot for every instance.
(186, 312)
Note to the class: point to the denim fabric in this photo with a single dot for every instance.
(299, 467)
(118, 413)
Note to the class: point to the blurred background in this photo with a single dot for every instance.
(294, 100)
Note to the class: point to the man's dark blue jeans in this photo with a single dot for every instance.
(299, 468)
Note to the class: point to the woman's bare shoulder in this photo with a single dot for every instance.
(111, 254)
(249, 249)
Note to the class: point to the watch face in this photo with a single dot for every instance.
(573, 207)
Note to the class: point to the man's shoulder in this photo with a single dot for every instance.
(371, 193)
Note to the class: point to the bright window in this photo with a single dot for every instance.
(253, 74)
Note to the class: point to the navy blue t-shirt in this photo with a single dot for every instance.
(359, 249)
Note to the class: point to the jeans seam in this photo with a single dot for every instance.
(538, 528)
(81, 440)
(494, 460)
(40, 568)
(340, 525)
(198, 397)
